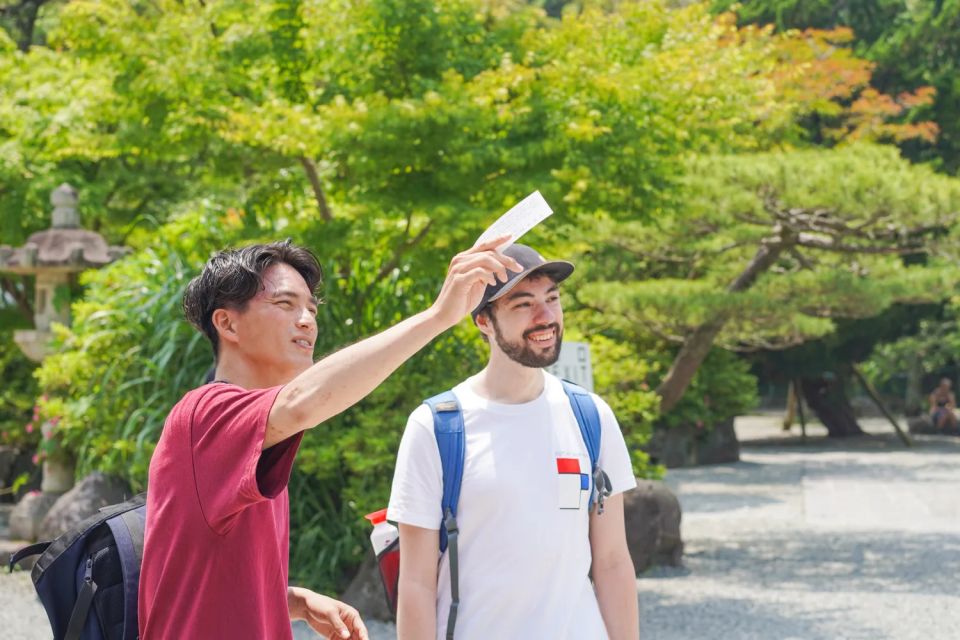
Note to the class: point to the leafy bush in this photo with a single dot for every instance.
(129, 355)
(19, 421)
(620, 378)
(722, 388)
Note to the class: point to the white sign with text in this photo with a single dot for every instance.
(574, 364)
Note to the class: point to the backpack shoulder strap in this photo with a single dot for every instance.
(448, 429)
(588, 419)
(128, 532)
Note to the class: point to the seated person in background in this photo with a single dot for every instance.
(943, 405)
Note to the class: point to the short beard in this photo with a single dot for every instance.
(523, 354)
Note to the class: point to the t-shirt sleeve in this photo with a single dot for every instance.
(232, 472)
(417, 490)
(614, 456)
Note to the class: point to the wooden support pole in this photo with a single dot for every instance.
(803, 418)
(883, 409)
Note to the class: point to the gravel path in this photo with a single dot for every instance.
(828, 540)
(817, 541)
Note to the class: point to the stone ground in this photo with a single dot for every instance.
(815, 540)
(822, 540)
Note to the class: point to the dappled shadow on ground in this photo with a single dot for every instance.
(868, 562)
(785, 466)
(668, 618)
(715, 502)
(922, 444)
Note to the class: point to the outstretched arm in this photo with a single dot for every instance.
(344, 378)
(613, 572)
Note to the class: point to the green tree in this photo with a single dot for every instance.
(913, 44)
(770, 248)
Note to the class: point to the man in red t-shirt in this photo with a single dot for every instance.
(215, 558)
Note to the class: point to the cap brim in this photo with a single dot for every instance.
(558, 270)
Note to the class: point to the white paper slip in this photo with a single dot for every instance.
(524, 215)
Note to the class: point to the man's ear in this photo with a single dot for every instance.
(484, 324)
(224, 324)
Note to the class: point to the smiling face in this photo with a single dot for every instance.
(527, 323)
(275, 331)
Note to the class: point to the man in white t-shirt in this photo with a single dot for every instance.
(528, 546)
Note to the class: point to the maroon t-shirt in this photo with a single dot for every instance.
(216, 549)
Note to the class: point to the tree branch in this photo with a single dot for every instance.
(698, 343)
(387, 268)
(311, 170)
(23, 303)
(830, 244)
(406, 246)
(760, 344)
(802, 259)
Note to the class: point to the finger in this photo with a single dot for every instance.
(320, 626)
(466, 256)
(492, 243)
(496, 247)
(476, 276)
(356, 623)
(492, 262)
(338, 625)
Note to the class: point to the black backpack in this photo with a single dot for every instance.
(88, 578)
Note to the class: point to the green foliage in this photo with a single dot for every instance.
(913, 44)
(869, 18)
(930, 350)
(737, 204)
(19, 425)
(722, 388)
(622, 379)
(922, 47)
(385, 135)
(129, 355)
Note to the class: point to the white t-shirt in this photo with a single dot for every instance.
(524, 548)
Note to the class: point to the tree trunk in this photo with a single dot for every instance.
(913, 403)
(697, 345)
(25, 19)
(694, 350)
(826, 396)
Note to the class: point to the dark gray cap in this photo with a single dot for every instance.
(531, 261)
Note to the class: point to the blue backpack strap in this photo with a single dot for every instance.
(448, 428)
(588, 418)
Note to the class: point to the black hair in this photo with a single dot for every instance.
(231, 278)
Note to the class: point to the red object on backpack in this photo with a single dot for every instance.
(386, 546)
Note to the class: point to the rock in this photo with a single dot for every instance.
(85, 499)
(924, 424)
(366, 594)
(652, 519)
(674, 447)
(27, 516)
(685, 445)
(718, 444)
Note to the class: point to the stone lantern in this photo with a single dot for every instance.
(53, 257)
